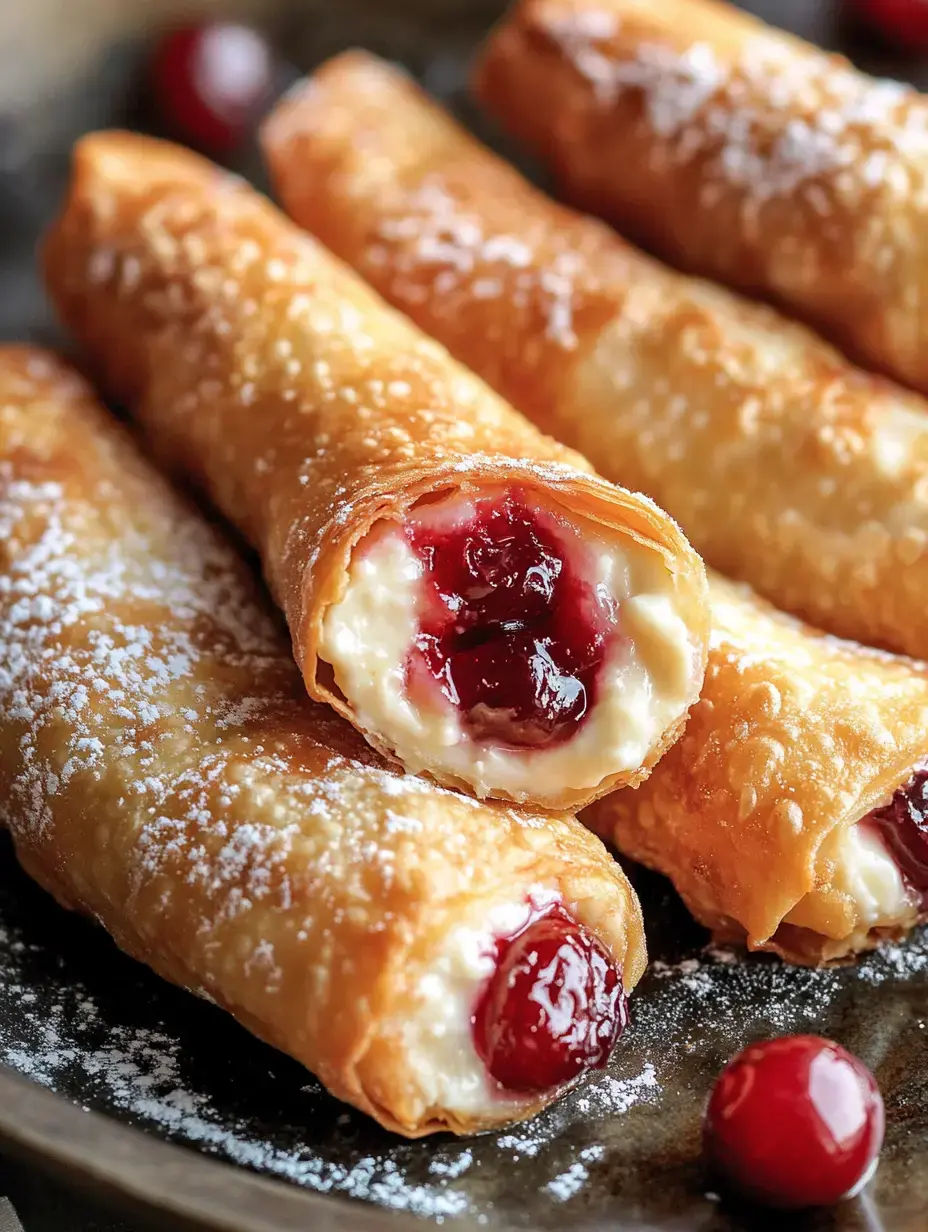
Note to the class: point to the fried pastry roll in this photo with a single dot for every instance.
(786, 467)
(792, 814)
(456, 584)
(162, 769)
(789, 813)
(735, 150)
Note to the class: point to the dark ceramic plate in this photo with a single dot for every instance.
(114, 1047)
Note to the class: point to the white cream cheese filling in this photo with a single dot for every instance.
(869, 874)
(644, 685)
(864, 869)
(436, 1029)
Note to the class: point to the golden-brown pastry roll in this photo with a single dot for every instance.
(456, 584)
(736, 151)
(790, 813)
(438, 962)
(785, 466)
(793, 813)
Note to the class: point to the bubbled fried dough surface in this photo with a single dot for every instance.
(162, 770)
(306, 408)
(796, 736)
(512, 283)
(244, 346)
(758, 159)
(786, 466)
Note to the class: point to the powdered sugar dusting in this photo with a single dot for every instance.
(119, 1042)
(432, 230)
(138, 1073)
(771, 122)
(614, 1096)
(111, 1037)
(898, 961)
(70, 1039)
(168, 776)
(795, 993)
(74, 665)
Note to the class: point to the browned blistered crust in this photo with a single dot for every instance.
(162, 770)
(735, 150)
(306, 408)
(719, 407)
(796, 737)
(786, 467)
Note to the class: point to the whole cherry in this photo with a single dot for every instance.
(553, 1008)
(795, 1122)
(901, 22)
(212, 82)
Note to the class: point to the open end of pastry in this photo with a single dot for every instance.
(489, 637)
(885, 864)
(900, 828)
(512, 1009)
(882, 866)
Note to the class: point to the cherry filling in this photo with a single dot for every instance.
(903, 826)
(553, 1008)
(509, 631)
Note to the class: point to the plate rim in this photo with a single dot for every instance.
(130, 1165)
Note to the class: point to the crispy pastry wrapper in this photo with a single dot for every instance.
(735, 150)
(787, 467)
(162, 770)
(306, 408)
(796, 737)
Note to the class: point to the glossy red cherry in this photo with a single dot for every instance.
(902, 22)
(211, 83)
(510, 631)
(553, 1009)
(795, 1122)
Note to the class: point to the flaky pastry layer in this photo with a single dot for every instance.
(162, 770)
(306, 408)
(796, 737)
(787, 467)
(736, 150)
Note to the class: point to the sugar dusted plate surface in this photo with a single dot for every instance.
(83, 1020)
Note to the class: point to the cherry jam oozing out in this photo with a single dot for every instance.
(553, 1008)
(510, 631)
(903, 826)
